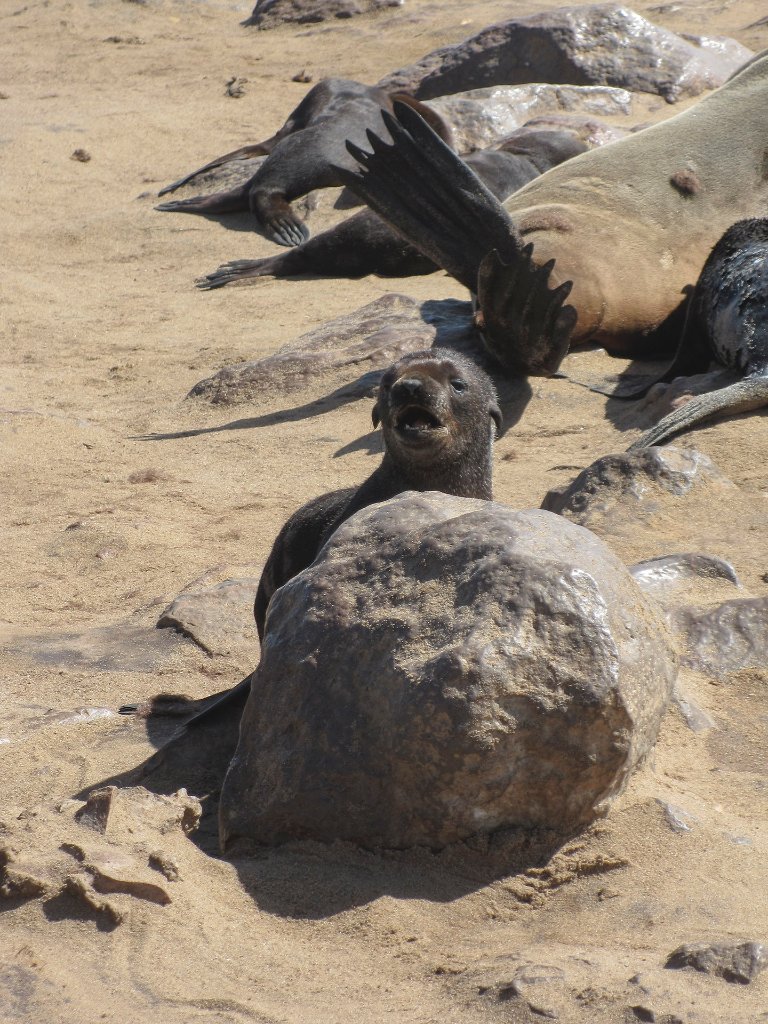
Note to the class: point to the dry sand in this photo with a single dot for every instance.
(103, 334)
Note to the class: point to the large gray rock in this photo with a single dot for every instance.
(446, 667)
(731, 636)
(739, 962)
(483, 117)
(602, 44)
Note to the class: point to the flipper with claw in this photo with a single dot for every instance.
(421, 187)
(236, 200)
(743, 396)
(525, 324)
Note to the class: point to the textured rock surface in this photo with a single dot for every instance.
(271, 13)
(118, 847)
(368, 339)
(483, 117)
(724, 639)
(621, 493)
(666, 575)
(447, 667)
(603, 44)
(736, 962)
(219, 618)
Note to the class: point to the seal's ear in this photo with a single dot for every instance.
(495, 413)
(375, 416)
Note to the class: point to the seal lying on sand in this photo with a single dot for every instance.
(627, 227)
(439, 415)
(365, 244)
(728, 322)
(301, 156)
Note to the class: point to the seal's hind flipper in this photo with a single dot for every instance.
(525, 324)
(743, 396)
(247, 270)
(233, 201)
(421, 187)
(244, 153)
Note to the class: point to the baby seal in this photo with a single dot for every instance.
(300, 157)
(727, 322)
(439, 415)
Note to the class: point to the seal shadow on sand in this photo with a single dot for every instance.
(454, 330)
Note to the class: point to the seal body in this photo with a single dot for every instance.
(439, 415)
(365, 244)
(626, 227)
(301, 157)
(727, 322)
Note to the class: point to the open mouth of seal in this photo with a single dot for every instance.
(415, 422)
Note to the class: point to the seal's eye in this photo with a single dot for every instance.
(459, 385)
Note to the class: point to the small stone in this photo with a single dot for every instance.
(219, 618)
(696, 719)
(81, 155)
(235, 87)
(678, 819)
(737, 962)
(302, 76)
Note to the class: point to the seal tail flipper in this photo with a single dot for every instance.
(235, 271)
(244, 153)
(743, 396)
(421, 187)
(236, 200)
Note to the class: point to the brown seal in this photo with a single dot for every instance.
(728, 322)
(365, 244)
(627, 227)
(301, 156)
(439, 415)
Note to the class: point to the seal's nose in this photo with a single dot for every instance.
(409, 385)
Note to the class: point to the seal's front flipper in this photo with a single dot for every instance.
(233, 201)
(525, 324)
(744, 396)
(433, 199)
(279, 222)
(244, 153)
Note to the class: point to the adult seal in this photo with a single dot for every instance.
(301, 156)
(439, 415)
(365, 244)
(619, 232)
(727, 322)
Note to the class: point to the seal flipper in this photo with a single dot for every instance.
(234, 201)
(743, 396)
(244, 153)
(437, 203)
(283, 265)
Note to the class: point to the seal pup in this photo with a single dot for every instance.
(728, 322)
(439, 415)
(300, 157)
(620, 231)
(365, 244)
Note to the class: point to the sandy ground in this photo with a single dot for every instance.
(103, 334)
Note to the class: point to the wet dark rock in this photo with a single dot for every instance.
(271, 13)
(445, 668)
(218, 618)
(368, 339)
(601, 44)
(484, 117)
(735, 962)
(621, 493)
(724, 639)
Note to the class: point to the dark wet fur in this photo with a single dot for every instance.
(728, 322)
